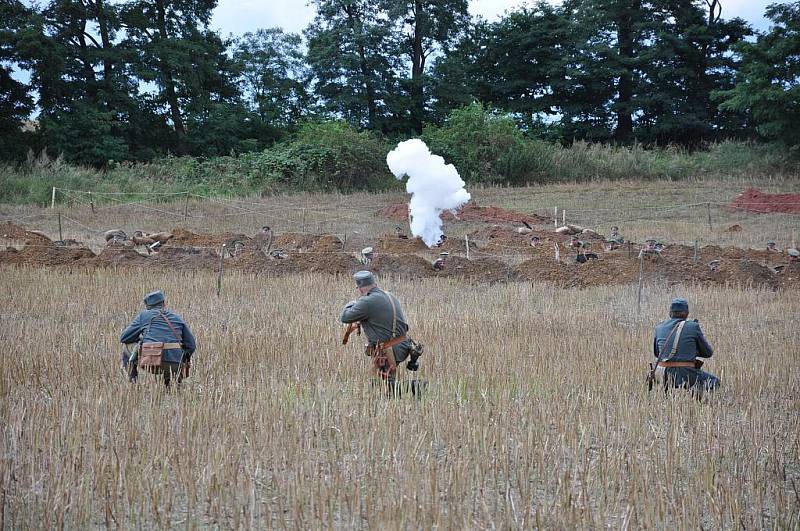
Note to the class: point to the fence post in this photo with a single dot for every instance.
(91, 201)
(555, 217)
(563, 217)
(221, 269)
(53, 198)
(695, 252)
(60, 235)
(641, 281)
(466, 240)
(708, 208)
(186, 207)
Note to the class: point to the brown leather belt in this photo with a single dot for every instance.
(668, 364)
(372, 349)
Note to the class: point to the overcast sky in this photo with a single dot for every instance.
(240, 16)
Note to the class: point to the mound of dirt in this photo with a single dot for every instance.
(331, 263)
(470, 212)
(481, 270)
(183, 237)
(389, 243)
(328, 243)
(754, 200)
(13, 232)
(120, 256)
(408, 265)
(47, 253)
(186, 258)
(292, 241)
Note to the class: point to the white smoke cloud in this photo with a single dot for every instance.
(434, 187)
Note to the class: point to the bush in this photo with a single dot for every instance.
(483, 147)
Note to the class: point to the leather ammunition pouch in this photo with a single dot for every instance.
(151, 354)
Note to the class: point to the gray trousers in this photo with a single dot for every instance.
(695, 380)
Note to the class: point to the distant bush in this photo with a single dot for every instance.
(484, 147)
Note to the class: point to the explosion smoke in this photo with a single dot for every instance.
(434, 187)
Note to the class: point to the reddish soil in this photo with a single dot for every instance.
(470, 212)
(183, 237)
(754, 200)
(13, 232)
(492, 249)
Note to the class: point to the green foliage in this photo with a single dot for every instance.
(768, 87)
(481, 145)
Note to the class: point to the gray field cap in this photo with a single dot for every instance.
(679, 305)
(794, 252)
(364, 278)
(156, 297)
(367, 250)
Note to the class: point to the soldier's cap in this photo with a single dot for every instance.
(444, 254)
(794, 252)
(679, 305)
(770, 242)
(367, 250)
(156, 297)
(364, 278)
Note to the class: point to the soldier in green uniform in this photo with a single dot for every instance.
(381, 317)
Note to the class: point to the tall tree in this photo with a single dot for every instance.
(352, 57)
(273, 75)
(179, 55)
(425, 27)
(768, 82)
(16, 103)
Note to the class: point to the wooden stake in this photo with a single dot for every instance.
(555, 217)
(186, 207)
(60, 236)
(344, 241)
(563, 217)
(708, 208)
(558, 252)
(91, 201)
(466, 240)
(53, 198)
(221, 269)
(641, 281)
(695, 252)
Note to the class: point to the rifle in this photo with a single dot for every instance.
(352, 327)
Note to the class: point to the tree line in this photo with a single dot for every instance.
(139, 79)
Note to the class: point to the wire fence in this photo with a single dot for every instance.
(339, 217)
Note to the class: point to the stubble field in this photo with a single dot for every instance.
(536, 414)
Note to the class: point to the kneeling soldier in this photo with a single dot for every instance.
(379, 313)
(677, 345)
(165, 334)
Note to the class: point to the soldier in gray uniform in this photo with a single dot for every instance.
(677, 345)
(381, 316)
(158, 324)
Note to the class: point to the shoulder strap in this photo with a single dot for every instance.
(178, 337)
(679, 329)
(677, 339)
(394, 313)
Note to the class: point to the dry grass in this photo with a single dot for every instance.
(536, 414)
(637, 207)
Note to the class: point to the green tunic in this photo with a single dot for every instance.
(374, 311)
